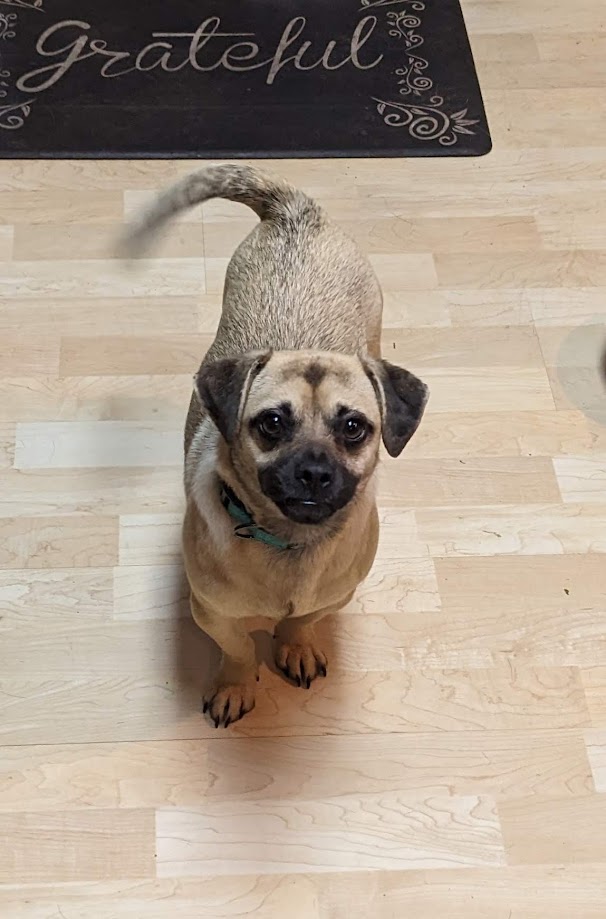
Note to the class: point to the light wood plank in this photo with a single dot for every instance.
(103, 776)
(483, 389)
(7, 444)
(150, 539)
(543, 117)
(38, 599)
(43, 492)
(126, 355)
(459, 434)
(473, 480)
(594, 682)
(94, 398)
(557, 891)
(48, 847)
(22, 356)
(103, 316)
(471, 637)
(552, 306)
(582, 345)
(6, 242)
(569, 581)
(208, 898)
(398, 585)
(498, 17)
(150, 592)
(524, 529)
(561, 74)
(385, 829)
(59, 204)
(596, 751)
(563, 268)
(482, 347)
(535, 892)
(92, 241)
(499, 764)
(540, 830)
(480, 308)
(102, 278)
(108, 649)
(577, 46)
(163, 705)
(510, 47)
(414, 309)
(581, 478)
(56, 709)
(505, 698)
(90, 445)
(579, 388)
(58, 542)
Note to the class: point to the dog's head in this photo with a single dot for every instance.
(305, 427)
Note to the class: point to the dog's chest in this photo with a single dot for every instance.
(304, 591)
(288, 590)
(243, 578)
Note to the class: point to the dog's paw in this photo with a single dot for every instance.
(226, 704)
(300, 662)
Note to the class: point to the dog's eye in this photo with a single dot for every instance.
(355, 430)
(270, 425)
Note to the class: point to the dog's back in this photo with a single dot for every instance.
(296, 282)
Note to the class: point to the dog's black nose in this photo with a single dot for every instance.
(315, 471)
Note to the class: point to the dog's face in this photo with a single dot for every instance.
(306, 426)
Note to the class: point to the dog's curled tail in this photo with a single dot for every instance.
(270, 198)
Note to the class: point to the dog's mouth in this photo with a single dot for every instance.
(308, 486)
(306, 512)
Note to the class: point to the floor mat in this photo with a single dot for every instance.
(248, 78)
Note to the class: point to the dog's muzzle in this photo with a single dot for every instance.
(308, 485)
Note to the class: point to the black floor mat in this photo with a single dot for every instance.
(251, 78)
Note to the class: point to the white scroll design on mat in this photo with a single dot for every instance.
(422, 110)
(13, 114)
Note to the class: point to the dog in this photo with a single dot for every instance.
(283, 432)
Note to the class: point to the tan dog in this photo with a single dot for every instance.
(283, 433)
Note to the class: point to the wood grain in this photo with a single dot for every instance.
(93, 445)
(385, 829)
(58, 542)
(115, 355)
(46, 846)
(594, 682)
(540, 830)
(569, 581)
(102, 776)
(499, 764)
(453, 482)
(596, 751)
(453, 763)
(557, 891)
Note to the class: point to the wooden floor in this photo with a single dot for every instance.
(454, 762)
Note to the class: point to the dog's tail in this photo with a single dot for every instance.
(270, 198)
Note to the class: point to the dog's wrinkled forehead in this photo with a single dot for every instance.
(313, 382)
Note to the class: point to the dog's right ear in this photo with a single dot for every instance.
(222, 387)
(402, 398)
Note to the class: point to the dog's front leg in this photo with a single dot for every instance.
(232, 693)
(297, 653)
(296, 650)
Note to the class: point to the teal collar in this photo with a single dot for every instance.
(246, 528)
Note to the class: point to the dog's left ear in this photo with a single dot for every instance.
(402, 398)
(222, 387)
